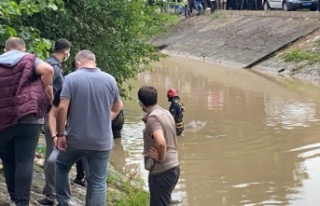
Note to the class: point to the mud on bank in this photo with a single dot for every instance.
(238, 39)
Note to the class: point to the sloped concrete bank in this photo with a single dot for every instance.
(239, 38)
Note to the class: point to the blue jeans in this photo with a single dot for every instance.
(199, 8)
(96, 176)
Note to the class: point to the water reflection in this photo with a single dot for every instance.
(248, 141)
(289, 113)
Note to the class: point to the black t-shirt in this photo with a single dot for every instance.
(56, 100)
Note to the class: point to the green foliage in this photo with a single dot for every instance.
(12, 18)
(299, 55)
(117, 31)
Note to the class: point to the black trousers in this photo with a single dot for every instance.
(161, 186)
(17, 151)
(80, 170)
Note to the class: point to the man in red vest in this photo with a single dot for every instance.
(26, 92)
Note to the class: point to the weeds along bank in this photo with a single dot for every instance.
(300, 60)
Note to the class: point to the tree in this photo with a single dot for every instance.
(12, 14)
(115, 30)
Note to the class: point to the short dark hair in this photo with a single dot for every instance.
(148, 95)
(61, 45)
(73, 66)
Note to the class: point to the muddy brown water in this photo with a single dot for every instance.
(249, 139)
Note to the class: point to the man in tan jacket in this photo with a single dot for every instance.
(160, 148)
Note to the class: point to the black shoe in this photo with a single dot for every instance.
(81, 182)
(44, 202)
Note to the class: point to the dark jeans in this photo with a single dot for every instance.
(212, 5)
(17, 151)
(161, 186)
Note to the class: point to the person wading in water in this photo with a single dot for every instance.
(176, 109)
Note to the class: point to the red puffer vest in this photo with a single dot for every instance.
(22, 92)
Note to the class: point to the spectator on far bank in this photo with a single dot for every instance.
(199, 7)
(223, 4)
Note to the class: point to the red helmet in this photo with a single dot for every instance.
(172, 93)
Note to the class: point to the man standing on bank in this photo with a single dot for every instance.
(93, 97)
(26, 91)
(61, 53)
(160, 148)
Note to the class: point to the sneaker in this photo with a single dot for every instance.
(81, 182)
(44, 201)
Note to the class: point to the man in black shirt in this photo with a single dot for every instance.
(61, 53)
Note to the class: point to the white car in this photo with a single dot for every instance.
(290, 5)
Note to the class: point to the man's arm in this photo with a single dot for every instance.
(45, 70)
(62, 115)
(173, 109)
(116, 108)
(52, 119)
(160, 144)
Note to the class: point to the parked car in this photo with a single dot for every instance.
(290, 5)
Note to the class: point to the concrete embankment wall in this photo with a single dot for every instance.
(238, 37)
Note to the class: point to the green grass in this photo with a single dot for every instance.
(299, 55)
(111, 179)
(135, 198)
(127, 191)
(217, 14)
(317, 42)
(134, 195)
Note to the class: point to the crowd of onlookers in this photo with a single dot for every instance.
(197, 7)
(81, 113)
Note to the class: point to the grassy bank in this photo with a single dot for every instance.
(123, 189)
(126, 191)
(306, 52)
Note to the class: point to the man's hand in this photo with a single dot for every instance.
(55, 141)
(62, 143)
(116, 108)
(153, 152)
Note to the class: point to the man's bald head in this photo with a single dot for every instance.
(15, 43)
(85, 58)
(85, 55)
